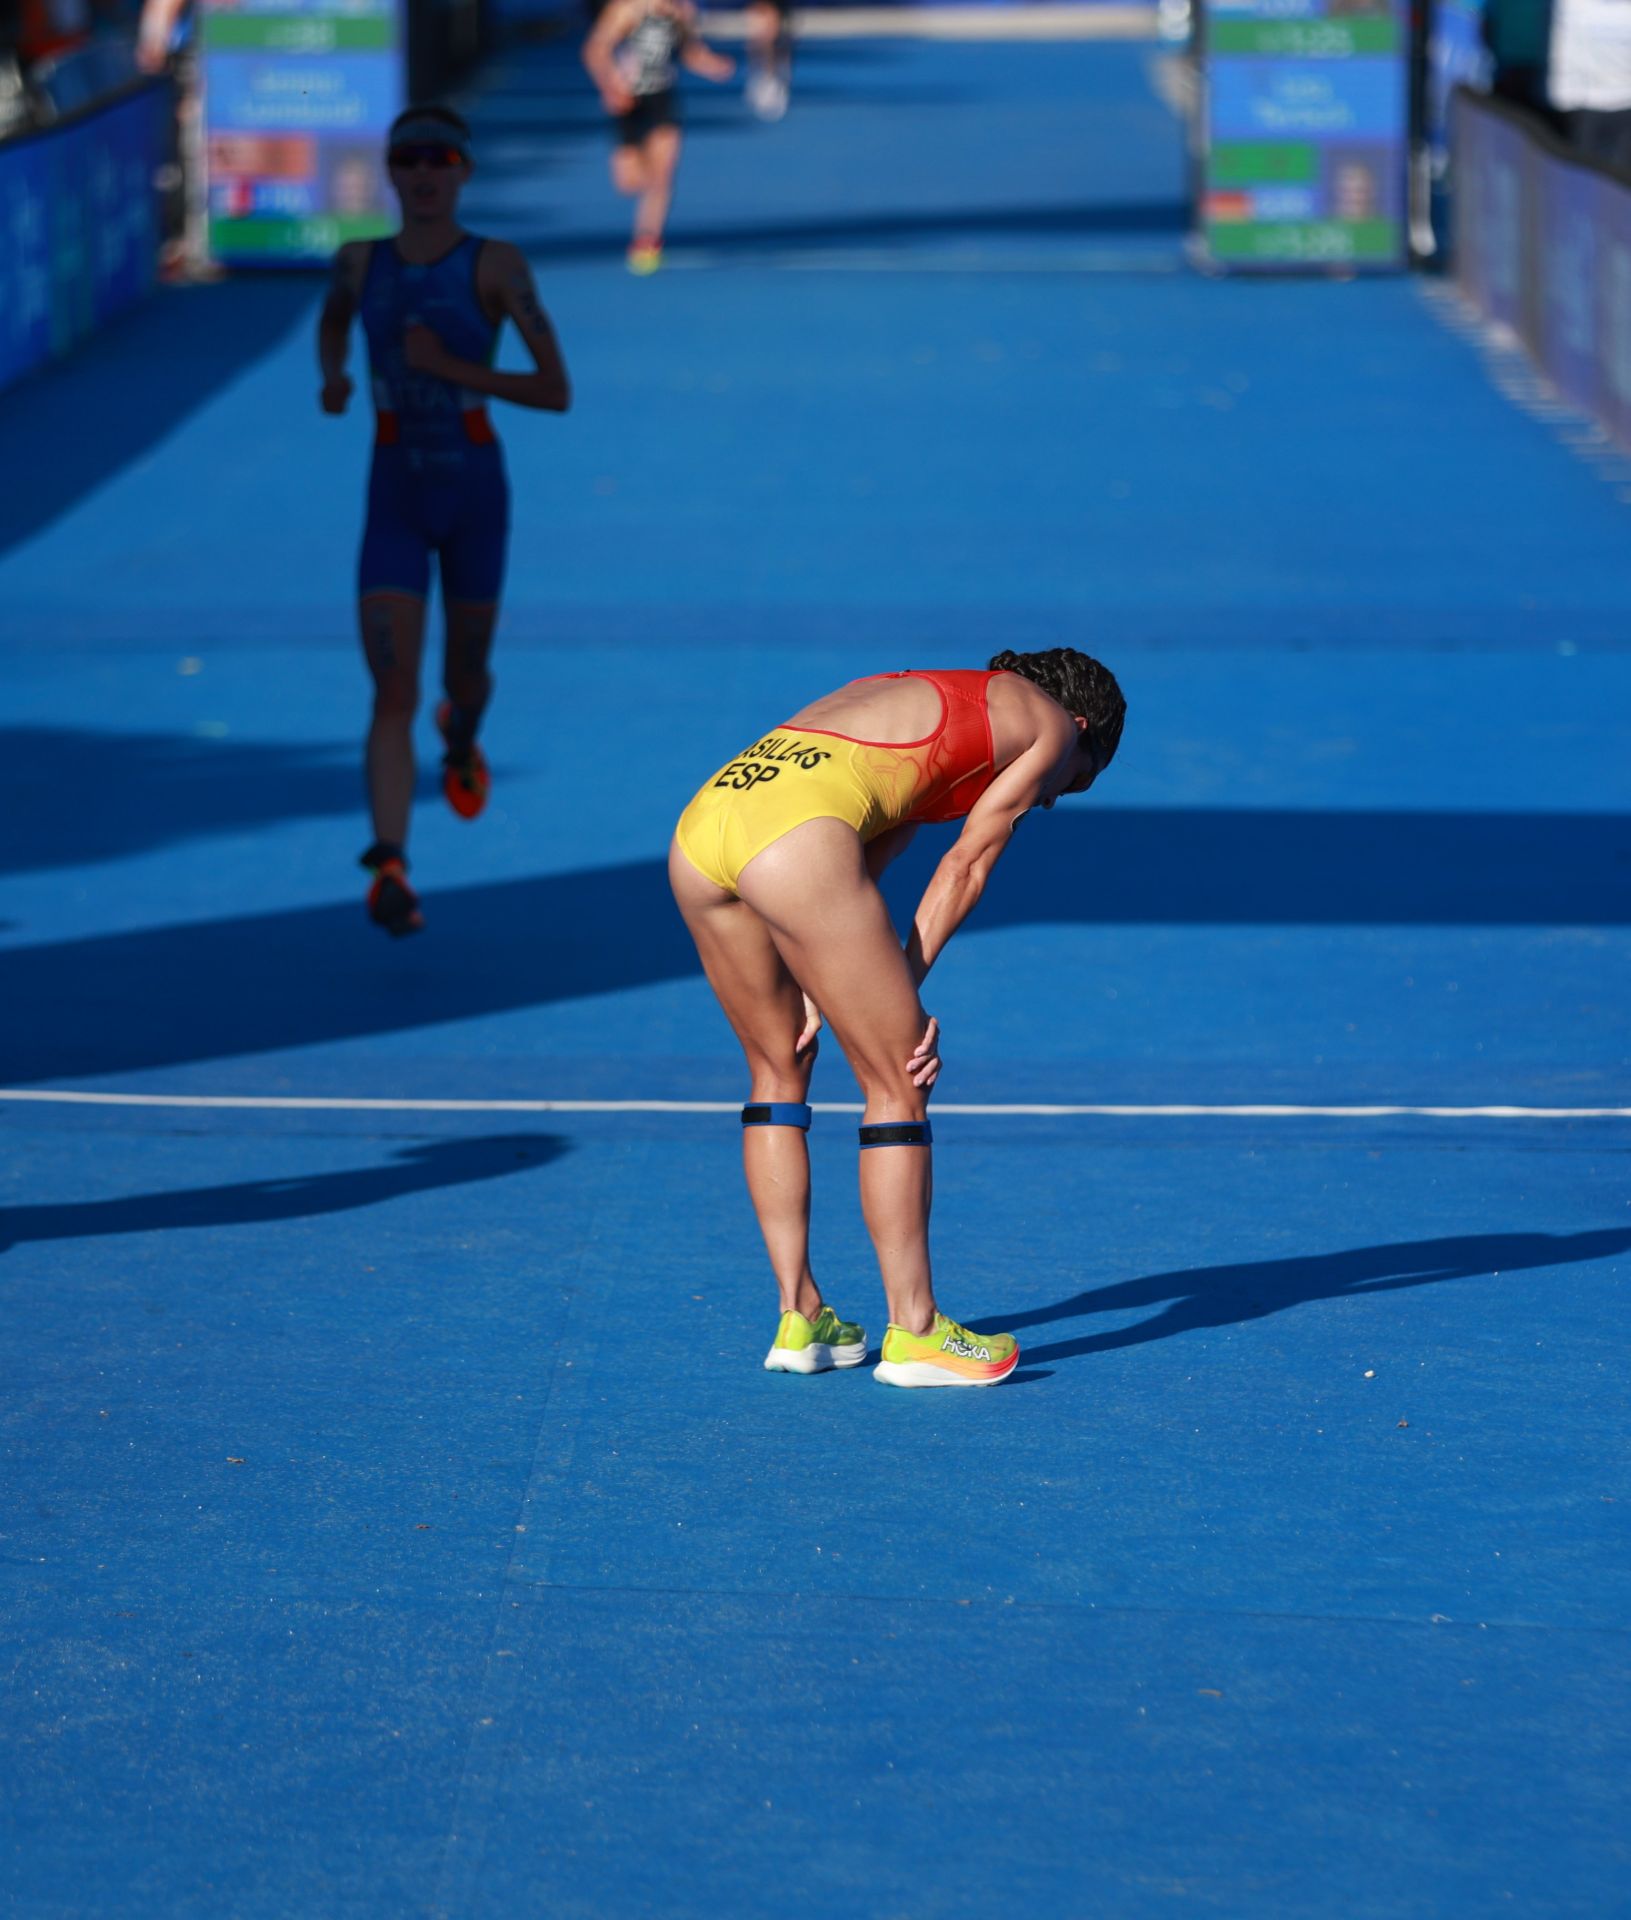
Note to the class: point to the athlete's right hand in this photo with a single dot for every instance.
(336, 394)
(618, 101)
(924, 1065)
(808, 1040)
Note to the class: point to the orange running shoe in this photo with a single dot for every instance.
(392, 903)
(466, 780)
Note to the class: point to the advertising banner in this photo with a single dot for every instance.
(83, 223)
(298, 96)
(1306, 134)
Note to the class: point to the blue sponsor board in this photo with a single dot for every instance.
(1307, 116)
(81, 223)
(1543, 248)
(299, 99)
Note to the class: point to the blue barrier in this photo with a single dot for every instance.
(83, 219)
(1543, 250)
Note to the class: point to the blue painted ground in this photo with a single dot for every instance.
(400, 1521)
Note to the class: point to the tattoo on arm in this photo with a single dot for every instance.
(529, 316)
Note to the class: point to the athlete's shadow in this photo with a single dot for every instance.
(133, 385)
(262, 982)
(886, 228)
(171, 788)
(422, 1167)
(1226, 1296)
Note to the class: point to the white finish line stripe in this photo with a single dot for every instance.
(293, 1103)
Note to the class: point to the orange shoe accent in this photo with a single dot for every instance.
(392, 903)
(466, 781)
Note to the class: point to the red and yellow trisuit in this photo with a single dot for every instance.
(806, 773)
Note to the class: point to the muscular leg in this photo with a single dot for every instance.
(661, 149)
(629, 170)
(761, 23)
(831, 927)
(393, 638)
(763, 1003)
(465, 676)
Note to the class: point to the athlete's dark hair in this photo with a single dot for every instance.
(446, 115)
(1080, 685)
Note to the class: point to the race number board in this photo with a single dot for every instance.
(1306, 134)
(298, 98)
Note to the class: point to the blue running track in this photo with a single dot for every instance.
(398, 1518)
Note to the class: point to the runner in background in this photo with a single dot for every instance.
(634, 55)
(167, 36)
(770, 56)
(432, 302)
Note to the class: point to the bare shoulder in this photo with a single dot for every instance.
(501, 261)
(351, 265)
(1023, 716)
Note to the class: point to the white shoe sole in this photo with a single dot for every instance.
(922, 1373)
(816, 1358)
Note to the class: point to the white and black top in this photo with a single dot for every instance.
(647, 59)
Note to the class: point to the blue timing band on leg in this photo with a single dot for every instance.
(777, 1113)
(898, 1133)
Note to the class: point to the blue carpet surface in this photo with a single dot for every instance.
(401, 1521)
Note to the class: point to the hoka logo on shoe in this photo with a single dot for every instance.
(964, 1349)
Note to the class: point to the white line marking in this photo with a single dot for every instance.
(903, 260)
(1018, 1110)
(1051, 22)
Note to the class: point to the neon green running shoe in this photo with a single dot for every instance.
(812, 1346)
(946, 1356)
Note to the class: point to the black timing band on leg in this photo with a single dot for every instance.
(777, 1113)
(898, 1133)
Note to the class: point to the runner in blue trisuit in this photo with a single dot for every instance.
(432, 301)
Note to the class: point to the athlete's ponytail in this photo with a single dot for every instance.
(1080, 685)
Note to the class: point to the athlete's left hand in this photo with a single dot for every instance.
(423, 350)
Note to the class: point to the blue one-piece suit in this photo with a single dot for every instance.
(438, 483)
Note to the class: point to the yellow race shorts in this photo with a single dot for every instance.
(785, 779)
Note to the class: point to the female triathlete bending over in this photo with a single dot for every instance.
(775, 866)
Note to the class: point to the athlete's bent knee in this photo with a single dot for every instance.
(395, 699)
(783, 1079)
(893, 1095)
